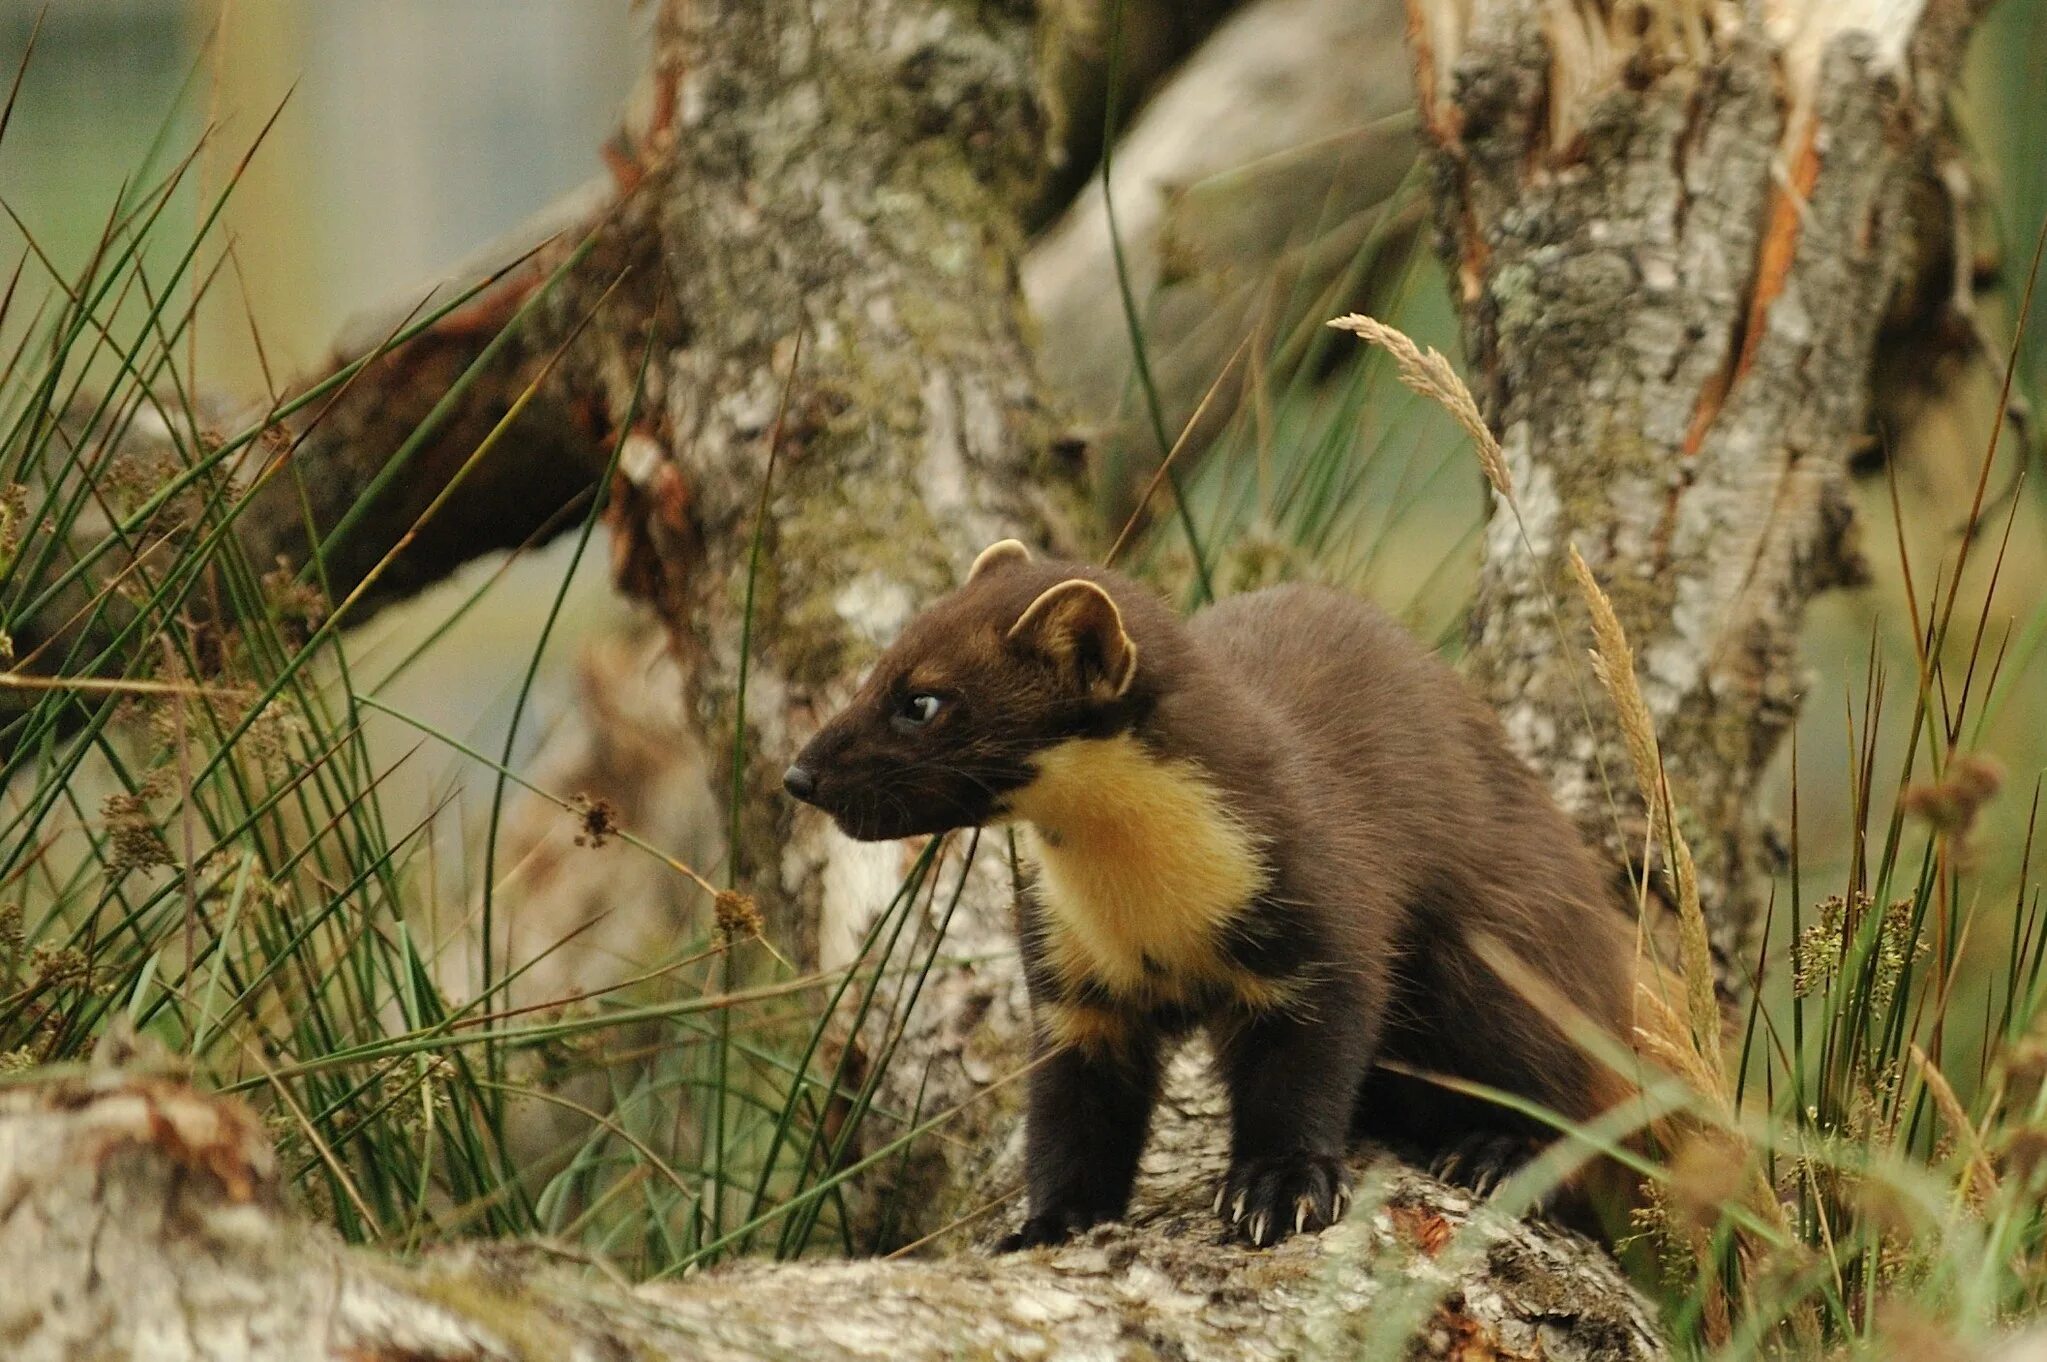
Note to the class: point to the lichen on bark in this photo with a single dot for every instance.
(851, 173)
(1675, 247)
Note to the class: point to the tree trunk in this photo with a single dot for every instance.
(851, 174)
(140, 1218)
(1676, 230)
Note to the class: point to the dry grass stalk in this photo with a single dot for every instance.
(1979, 1178)
(1429, 373)
(1613, 662)
(1663, 1033)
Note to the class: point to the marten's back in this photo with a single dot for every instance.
(1410, 779)
(1380, 732)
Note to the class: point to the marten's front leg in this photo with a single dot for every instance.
(1089, 1110)
(1293, 1078)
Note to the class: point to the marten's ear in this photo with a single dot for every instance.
(996, 554)
(1076, 627)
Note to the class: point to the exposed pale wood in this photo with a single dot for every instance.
(1676, 230)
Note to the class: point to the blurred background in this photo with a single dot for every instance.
(407, 137)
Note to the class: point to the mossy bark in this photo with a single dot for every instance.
(1675, 247)
(849, 173)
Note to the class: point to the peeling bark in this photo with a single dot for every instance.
(141, 1218)
(1675, 246)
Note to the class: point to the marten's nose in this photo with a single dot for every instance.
(798, 781)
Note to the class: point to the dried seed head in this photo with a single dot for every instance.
(133, 842)
(739, 918)
(63, 967)
(1950, 806)
(1816, 954)
(2025, 1069)
(599, 820)
(13, 516)
(1613, 662)
(292, 599)
(274, 736)
(1979, 775)
(2023, 1152)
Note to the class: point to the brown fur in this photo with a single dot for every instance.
(1281, 819)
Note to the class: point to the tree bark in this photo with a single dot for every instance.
(849, 174)
(141, 1218)
(1676, 231)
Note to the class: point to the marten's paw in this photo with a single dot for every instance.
(1052, 1227)
(1263, 1200)
(1481, 1162)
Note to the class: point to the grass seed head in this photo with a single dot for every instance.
(1427, 372)
(597, 820)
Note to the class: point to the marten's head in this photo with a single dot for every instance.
(1026, 655)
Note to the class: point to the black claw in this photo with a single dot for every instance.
(1271, 1198)
(1480, 1163)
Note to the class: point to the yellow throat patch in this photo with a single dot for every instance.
(1139, 866)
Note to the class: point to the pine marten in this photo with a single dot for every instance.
(1281, 819)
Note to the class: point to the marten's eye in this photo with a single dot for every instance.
(918, 710)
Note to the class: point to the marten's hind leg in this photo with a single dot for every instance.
(1455, 1018)
(1462, 1140)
